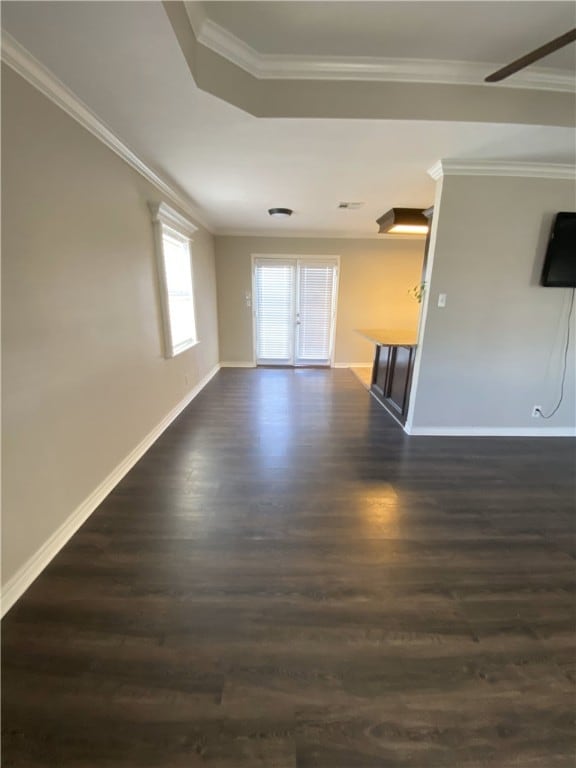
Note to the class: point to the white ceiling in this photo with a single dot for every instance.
(122, 60)
(458, 31)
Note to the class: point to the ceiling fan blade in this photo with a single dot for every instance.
(530, 58)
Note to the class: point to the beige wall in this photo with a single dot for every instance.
(496, 350)
(375, 277)
(84, 378)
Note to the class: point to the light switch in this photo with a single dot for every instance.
(441, 299)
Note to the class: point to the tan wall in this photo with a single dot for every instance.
(496, 350)
(375, 277)
(84, 378)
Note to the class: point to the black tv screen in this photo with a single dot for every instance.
(560, 263)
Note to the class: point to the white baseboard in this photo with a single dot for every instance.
(491, 431)
(19, 583)
(253, 365)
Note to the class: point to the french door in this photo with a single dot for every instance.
(294, 310)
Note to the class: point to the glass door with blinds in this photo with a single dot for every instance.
(294, 310)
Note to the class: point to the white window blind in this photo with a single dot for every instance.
(274, 307)
(314, 312)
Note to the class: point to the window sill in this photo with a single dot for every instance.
(183, 347)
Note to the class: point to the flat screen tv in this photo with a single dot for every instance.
(560, 263)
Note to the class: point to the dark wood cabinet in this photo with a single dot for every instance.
(397, 394)
(391, 378)
(392, 368)
(380, 370)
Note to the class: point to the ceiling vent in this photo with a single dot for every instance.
(350, 206)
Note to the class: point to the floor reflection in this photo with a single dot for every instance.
(378, 510)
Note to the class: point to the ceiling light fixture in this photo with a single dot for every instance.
(403, 221)
(280, 212)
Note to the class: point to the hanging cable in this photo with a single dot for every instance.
(566, 347)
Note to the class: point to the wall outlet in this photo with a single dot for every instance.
(537, 412)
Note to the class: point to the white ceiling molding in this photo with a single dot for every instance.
(410, 71)
(293, 67)
(502, 168)
(21, 61)
(197, 15)
(165, 214)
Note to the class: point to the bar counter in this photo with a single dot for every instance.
(392, 368)
(389, 337)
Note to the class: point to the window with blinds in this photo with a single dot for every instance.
(294, 310)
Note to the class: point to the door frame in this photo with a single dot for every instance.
(296, 257)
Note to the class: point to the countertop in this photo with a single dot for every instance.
(389, 337)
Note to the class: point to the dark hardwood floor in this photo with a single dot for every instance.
(286, 580)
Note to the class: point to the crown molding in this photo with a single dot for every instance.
(294, 67)
(219, 40)
(27, 66)
(408, 71)
(502, 168)
(196, 15)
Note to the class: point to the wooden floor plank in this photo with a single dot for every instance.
(287, 580)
